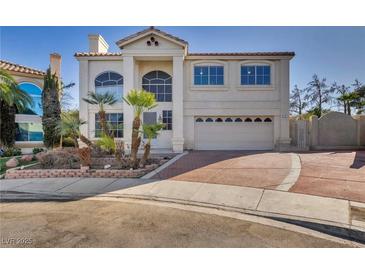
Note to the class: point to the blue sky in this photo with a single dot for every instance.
(337, 53)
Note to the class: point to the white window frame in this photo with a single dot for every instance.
(223, 87)
(257, 87)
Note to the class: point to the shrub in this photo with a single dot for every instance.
(106, 143)
(37, 150)
(59, 159)
(12, 151)
(68, 142)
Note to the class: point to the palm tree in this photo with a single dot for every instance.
(70, 125)
(11, 94)
(101, 99)
(11, 99)
(141, 101)
(151, 131)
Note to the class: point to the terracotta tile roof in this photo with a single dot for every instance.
(5, 65)
(97, 54)
(277, 53)
(122, 41)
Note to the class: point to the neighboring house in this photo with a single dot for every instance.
(207, 100)
(29, 132)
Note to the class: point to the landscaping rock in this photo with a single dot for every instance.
(13, 162)
(27, 158)
(39, 155)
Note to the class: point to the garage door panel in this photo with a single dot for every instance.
(225, 136)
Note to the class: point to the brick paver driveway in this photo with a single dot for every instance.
(241, 168)
(338, 174)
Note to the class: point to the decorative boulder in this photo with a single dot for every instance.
(27, 158)
(13, 162)
(39, 155)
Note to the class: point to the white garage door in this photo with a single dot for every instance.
(234, 133)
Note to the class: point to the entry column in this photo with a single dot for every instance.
(128, 77)
(177, 104)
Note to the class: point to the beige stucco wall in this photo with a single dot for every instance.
(333, 130)
(337, 129)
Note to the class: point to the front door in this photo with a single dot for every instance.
(150, 118)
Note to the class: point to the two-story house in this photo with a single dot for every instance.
(207, 101)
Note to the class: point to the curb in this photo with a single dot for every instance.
(332, 229)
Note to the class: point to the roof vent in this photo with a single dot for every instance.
(152, 41)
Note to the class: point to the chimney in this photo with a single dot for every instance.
(97, 44)
(55, 64)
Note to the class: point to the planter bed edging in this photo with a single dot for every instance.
(61, 173)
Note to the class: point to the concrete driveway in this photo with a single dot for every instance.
(239, 168)
(338, 174)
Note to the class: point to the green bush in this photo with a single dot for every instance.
(68, 142)
(36, 150)
(106, 143)
(12, 151)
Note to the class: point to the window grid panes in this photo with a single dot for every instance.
(110, 82)
(209, 75)
(160, 84)
(114, 122)
(255, 75)
(167, 119)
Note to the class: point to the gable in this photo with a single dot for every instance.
(152, 42)
(147, 39)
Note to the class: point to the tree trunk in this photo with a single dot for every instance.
(349, 109)
(86, 141)
(76, 142)
(320, 107)
(61, 140)
(136, 140)
(146, 154)
(344, 107)
(103, 125)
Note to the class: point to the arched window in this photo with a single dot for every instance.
(219, 120)
(159, 83)
(268, 120)
(110, 82)
(228, 120)
(248, 120)
(258, 120)
(36, 93)
(209, 120)
(199, 120)
(238, 120)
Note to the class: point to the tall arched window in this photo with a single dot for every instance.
(36, 93)
(111, 82)
(159, 83)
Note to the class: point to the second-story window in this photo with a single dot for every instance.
(110, 82)
(160, 84)
(255, 75)
(208, 75)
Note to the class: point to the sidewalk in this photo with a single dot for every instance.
(338, 213)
